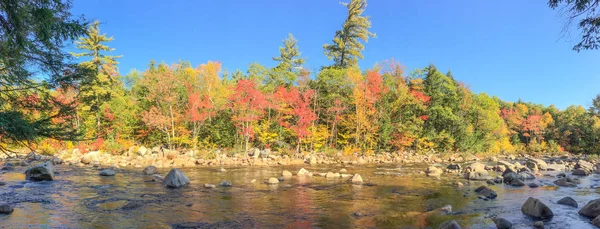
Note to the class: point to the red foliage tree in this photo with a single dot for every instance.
(248, 105)
(299, 102)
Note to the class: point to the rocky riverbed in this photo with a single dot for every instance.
(486, 193)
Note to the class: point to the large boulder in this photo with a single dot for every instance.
(567, 201)
(450, 224)
(42, 172)
(175, 179)
(486, 192)
(509, 177)
(581, 164)
(591, 209)
(536, 209)
(150, 170)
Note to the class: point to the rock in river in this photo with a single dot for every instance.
(6, 209)
(487, 192)
(273, 180)
(226, 183)
(536, 209)
(450, 224)
(591, 209)
(150, 170)
(502, 223)
(40, 172)
(517, 183)
(581, 172)
(566, 182)
(433, 171)
(107, 172)
(175, 179)
(286, 173)
(356, 179)
(302, 172)
(568, 201)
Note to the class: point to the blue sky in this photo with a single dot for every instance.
(512, 49)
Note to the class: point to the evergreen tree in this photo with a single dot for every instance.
(347, 46)
(96, 90)
(290, 62)
(32, 37)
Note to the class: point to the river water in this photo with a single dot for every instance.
(392, 197)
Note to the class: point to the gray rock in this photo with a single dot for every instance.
(566, 182)
(502, 223)
(517, 183)
(541, 164)
(454, 167)
(533, 185)
(450, 224)
(538, 224)
(581, 164)
(107, 172)
(487, 192)
(42, 172)
(568, 201)
(226, 183)
(536, 209)
(596, 221)
(526, 175)
(509, 177)
(581, 172)
(150, 170)
(6, 209)
(591, 209)
(175, 179)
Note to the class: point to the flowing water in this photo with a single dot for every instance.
(391, 198)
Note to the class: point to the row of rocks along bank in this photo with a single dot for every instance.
(519, 174)
(43, 170)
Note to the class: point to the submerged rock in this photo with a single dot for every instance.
(567, 201)
(175, 179)
(150, 170)
(538, 224)
(450, 224)
(42, 172)
(517, 183)
(6, 209)
(591, 209)
(107, 172)
(536, 209)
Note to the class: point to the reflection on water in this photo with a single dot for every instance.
(82, 199)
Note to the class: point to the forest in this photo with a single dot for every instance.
(340, 108)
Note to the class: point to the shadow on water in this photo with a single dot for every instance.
(79, 198)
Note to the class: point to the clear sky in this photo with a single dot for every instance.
(511, 49)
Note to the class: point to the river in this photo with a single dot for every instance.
(80, 198)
